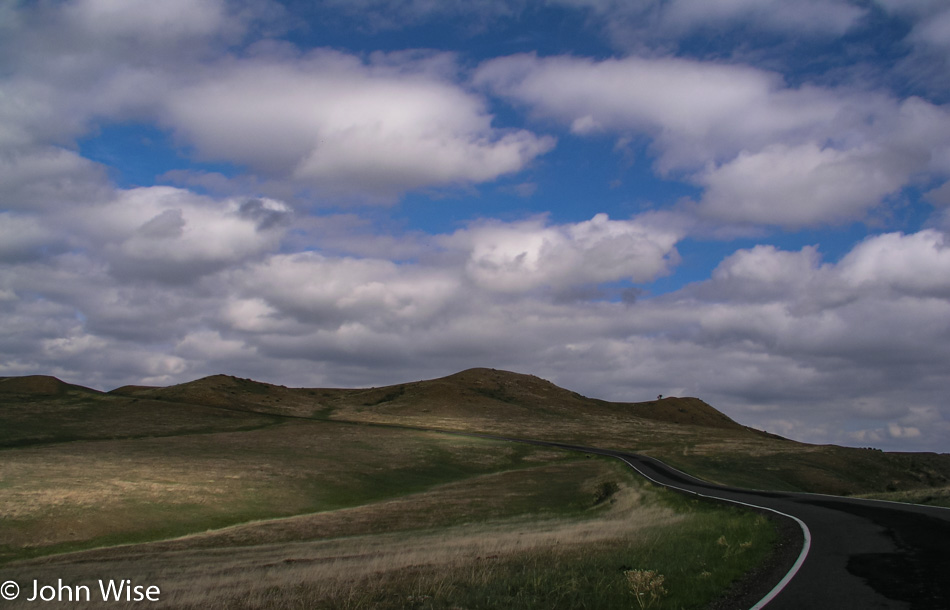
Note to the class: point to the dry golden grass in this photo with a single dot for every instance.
(541, 491)
(104, 492)
(244, 566)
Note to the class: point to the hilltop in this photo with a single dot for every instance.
(471, 395)
(39, 385)
(684, 431)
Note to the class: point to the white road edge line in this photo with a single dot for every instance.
(805, 531)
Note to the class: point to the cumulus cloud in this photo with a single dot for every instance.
(173, 235)
(931, 19)
(779, 339)
(21, 237)
(918, 263)
(42, 177)
(765, 273)
(842, 337)
(337, 124)
(877, 305)
(154, 22)
(328, 292)
(765, 153)
(68, 64)
(800, 186)
(326, 121)
(519, 257)
(697, 111)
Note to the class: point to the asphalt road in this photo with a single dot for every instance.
(844, 553)
(849, 553)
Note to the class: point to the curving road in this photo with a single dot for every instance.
(853, 554)
(858, 554)
(850, 554)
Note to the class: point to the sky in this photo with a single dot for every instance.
(747, 201)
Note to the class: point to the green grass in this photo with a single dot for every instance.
(931, 496)
(699, 549)
(696, 567)
(71, 496)
(74, 416)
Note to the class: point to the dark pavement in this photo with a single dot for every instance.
(863, 554)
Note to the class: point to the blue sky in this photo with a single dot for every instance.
(745, 201)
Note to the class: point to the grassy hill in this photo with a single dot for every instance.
(39, 385)
(474, 394)
(231, 493)
(39, 410)
(686, 432)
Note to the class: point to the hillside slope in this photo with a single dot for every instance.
(686, 432)
(471, 395)
(39, 385)
(40, 409)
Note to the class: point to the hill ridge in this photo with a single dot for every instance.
(475, 392)
(685, 431)
(39, 385)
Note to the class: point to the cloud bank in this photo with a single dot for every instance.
(801, 283)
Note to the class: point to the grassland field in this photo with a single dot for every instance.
(228, 493)
(323, 515)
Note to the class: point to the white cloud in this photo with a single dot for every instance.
(71, 346)
(40, 177)
(173, 235)
(934, 31)
(325, 292)
(776, 338)
(882, 305)
(21, 237)
(799, 186)
(210, 346)
(931, 20)
(765, 273)
(328, 122)
(928, 39)
(519, 257)
(149, 22)
(253, 315)
(889, 266)
(336, 124)
(918, 263)
(696, 111)
(672, 99)
(69, 64)
(765, 153)
(898, 431)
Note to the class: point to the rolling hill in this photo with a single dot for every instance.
(685, 432)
